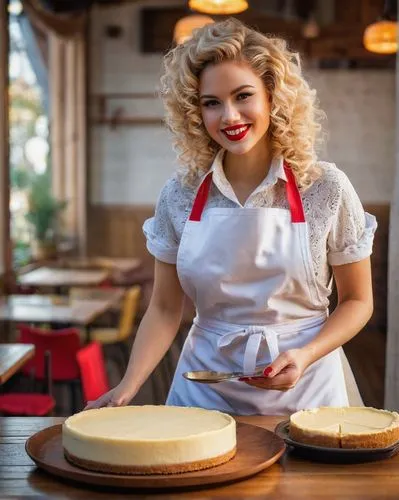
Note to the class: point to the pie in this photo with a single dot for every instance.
(348, 427)
(149, 439)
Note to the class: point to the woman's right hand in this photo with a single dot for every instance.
(120, 395)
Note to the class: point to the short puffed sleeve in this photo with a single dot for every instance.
(352, 230)
(162, 240)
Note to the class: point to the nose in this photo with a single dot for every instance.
(230, 114)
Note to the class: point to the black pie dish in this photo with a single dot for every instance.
(333, 455)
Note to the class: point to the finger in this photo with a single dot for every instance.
(282, 380)
(89, 405)
(260, 382)
(98, 403)
(277, 365)
(265, 386)
(287, 379)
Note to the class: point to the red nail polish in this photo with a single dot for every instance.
(267, 371)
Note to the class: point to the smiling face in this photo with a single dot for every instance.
(235, 106)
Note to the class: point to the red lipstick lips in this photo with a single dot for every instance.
(236, 132)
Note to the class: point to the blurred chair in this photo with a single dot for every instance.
(92, 371)
(30, 404)
(63, 346)
(118, 336)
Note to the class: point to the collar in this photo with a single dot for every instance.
(276, 172)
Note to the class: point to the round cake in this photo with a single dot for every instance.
(149, 439)
(349, 427)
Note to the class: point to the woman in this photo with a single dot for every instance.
(252, 230)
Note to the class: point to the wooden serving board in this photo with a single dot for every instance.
(257, 449)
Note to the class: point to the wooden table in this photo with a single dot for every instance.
(12, 357)
(111, 263)
(56, 278)
(288, 479)
(45, 309)
(113, 294)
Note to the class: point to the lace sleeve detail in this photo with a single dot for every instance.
(162, 240)
(352, 230)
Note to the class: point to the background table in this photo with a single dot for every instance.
(55, 278)
(111, 263)
(288, 479)
(12, 357)
(44, 309)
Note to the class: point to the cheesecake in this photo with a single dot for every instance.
(149, 439)
(347, 427)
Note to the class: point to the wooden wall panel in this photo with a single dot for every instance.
(116, 231)
(366, 351)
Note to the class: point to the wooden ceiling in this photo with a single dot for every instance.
(339, 44)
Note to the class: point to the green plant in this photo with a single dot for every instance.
(44, 209)
(20, 177)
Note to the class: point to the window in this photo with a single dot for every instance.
(28, 119)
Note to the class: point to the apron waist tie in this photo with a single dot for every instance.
(254, 336)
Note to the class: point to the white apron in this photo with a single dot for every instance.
(250, 274)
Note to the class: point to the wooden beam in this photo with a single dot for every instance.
(71, 137)
(5, 241)
(57, 106)
(82, 158)
(137, 120)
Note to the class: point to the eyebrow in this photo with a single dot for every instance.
(241, 87)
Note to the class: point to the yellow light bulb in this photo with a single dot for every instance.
(186, 25)
(218, 7)
(381, 37)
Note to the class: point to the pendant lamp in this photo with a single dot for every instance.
(310, 28)
(186, 25)
(381, 37)
(218, 7)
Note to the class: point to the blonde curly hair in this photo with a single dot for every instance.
(294, 118)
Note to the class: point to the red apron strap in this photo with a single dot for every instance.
(293, 196)
(201, 198)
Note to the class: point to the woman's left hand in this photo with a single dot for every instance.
(284, 373)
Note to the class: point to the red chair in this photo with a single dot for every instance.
(30, 404)
(92, 371)
(63, 346)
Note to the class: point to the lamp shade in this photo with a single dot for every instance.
(186, 25)
(218, 7)
(381, 37)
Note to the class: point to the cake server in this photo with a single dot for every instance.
(211, 377)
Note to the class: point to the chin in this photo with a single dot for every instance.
(238, 149)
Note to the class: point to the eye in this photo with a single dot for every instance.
(210, 103)
(243, 96)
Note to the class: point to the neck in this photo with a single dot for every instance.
(250, 168)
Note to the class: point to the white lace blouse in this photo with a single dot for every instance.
(340, 231)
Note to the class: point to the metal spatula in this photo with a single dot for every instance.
(211, 377)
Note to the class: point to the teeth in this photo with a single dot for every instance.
(236, 132)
